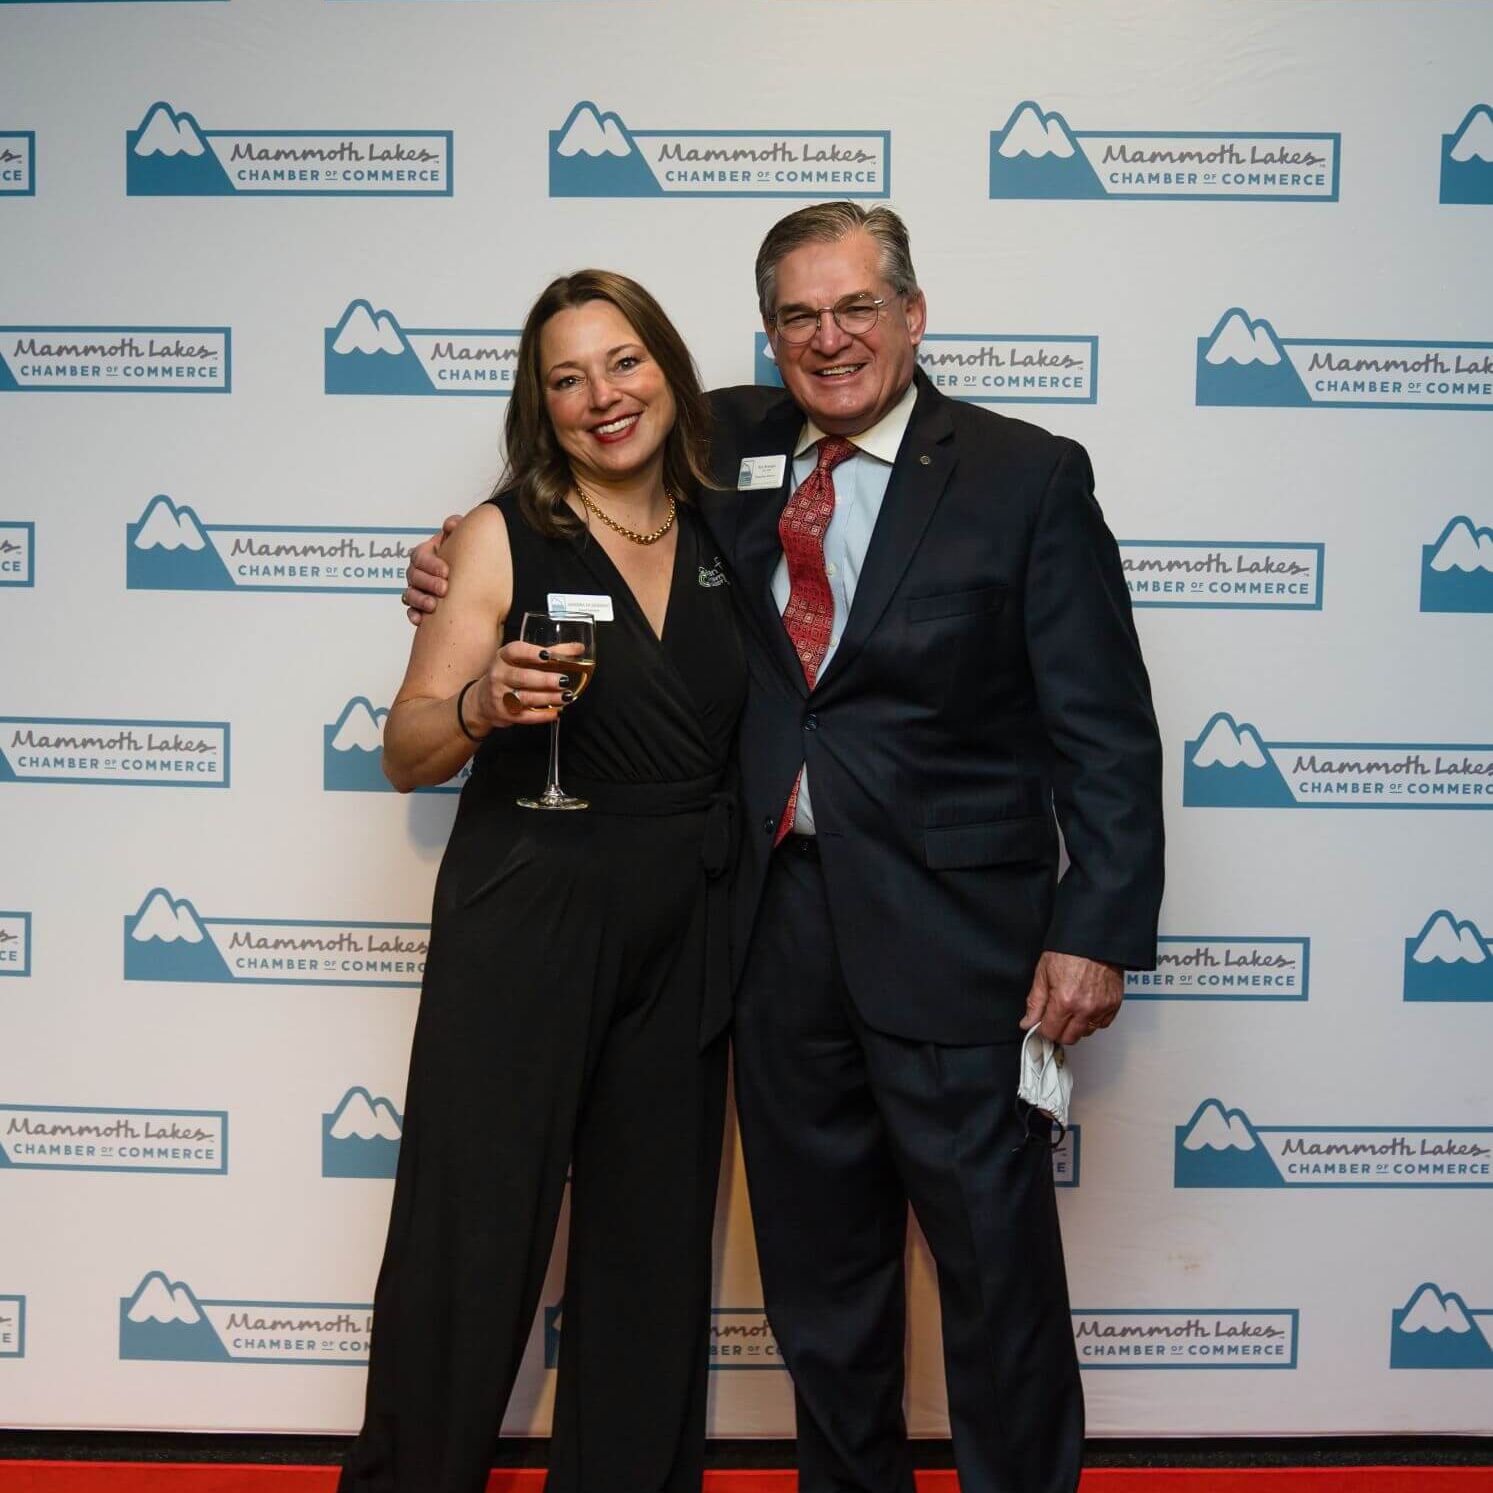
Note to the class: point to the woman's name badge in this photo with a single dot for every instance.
(574, 604)
(760, 471)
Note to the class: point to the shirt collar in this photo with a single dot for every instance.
(883, 440)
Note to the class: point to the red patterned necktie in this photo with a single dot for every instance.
(809, 616)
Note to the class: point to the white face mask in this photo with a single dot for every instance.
(1046, 1079)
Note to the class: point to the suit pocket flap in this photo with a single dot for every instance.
(951, 847)
(956, 603)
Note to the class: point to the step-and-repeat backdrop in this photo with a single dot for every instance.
(263, 262)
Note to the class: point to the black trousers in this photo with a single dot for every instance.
(841, 1128)
(560, 1021)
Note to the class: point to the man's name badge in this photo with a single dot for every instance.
(574, 604)
(760, 471)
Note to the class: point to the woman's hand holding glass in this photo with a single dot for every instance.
(521, 687)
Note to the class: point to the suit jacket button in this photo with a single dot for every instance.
(769, 824)
(811, 723)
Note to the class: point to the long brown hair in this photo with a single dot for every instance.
(537, 464)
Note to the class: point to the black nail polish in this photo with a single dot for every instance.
(564, 681)
(567, 696)
(544, 653)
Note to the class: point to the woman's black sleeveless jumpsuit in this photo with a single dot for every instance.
(573, 1016)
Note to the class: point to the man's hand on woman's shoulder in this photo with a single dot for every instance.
(426, 576)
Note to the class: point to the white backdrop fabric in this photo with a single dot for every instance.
(225, 421)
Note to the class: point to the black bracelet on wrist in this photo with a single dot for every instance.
(461, 720)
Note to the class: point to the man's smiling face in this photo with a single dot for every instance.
(845, 382)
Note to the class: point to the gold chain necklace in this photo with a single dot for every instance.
(650, 538)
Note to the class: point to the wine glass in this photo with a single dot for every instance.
(550, 631)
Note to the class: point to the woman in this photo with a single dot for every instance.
(573, 1008)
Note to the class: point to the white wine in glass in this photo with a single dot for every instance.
(575, 633)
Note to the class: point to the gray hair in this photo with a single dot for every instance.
(828, 223)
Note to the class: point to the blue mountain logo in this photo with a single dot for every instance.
(1456, 572)
(1436, 1329)
(1036, 155)
(352, 753)
(1227, 766)
(1467, 159)
(166, 940)
(594, 155)
(163, 1319)
(368, 353)
(1242, 362)
(166, 549)
(765, 369)
(352, 749)
(360, 1138)
(168, 156)
(1219, 1147)
(1448, 960)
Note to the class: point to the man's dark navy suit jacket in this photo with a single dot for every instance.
(988, 687)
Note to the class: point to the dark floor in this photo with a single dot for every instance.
(1335, 1451)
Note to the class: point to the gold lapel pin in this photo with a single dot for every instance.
(927, 461)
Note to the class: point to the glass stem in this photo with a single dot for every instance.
(552, 788)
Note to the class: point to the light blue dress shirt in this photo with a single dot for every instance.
(860, 485)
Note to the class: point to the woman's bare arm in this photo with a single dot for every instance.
(423, 744)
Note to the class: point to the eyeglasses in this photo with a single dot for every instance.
(853, 315)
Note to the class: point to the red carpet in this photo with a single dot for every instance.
(134, 1477)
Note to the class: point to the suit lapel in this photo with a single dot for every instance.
(758, 548)
(921, 472)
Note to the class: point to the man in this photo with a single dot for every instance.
(942, 655)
